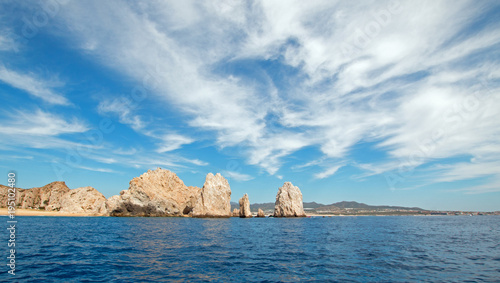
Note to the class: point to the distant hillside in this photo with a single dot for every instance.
(254, 207)
(314, 206)
(357, 205)
(268, 206)
(234, 205)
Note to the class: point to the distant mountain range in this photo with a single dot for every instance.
(338, 206)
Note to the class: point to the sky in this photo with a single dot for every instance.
(381, 102)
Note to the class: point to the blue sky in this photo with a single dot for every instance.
(382, 102)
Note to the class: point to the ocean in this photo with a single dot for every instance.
(331, 249)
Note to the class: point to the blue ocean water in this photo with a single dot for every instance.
(343, 249)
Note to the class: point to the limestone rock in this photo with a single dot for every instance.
(245, 207)
(47, 197)
(236, 212)
(138, 203)
(289, 202)
(215, 197)
(84, 200)
(56, 196)
(4, 195)
(260, 213)
(157, 192)
(194, 193)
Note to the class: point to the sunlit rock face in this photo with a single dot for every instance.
(46, 198)
(289, 202)
(245, 207)
(56, 196)
(215, 197)
(157, 192)
(84, 200)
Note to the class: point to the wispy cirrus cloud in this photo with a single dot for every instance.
(123, 109)
(40, 129)
(237, 176)
(33, 85)
(170, 142)
(40, 123)
(6, 42)
(403, 78)
(328, 172)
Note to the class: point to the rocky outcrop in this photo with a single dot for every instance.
(84, 200)
(215, 197)
(56, 196)
(245, 207)
(236, 212)
(4, 194)
(157, 192)
(260, 213)
(289, 202)
(47, 197)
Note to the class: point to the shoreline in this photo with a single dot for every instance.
(35, 212)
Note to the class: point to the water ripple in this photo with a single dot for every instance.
(337, 249)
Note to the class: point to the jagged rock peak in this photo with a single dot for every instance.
(289, 202)
(245, 207)
(215, 197)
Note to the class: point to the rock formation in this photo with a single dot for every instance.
(289, 202)
(245, 207)
(47, 197)
(155, 193)
(84, 200)
(260, 213)
(56, 196)
(4, 193)
(215, 197)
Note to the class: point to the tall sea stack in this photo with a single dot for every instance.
(215, 197)
(245, 207)
(289, 202)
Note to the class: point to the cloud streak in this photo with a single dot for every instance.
(408, 85)
(34, 86)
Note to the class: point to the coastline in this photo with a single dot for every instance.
(35, 212)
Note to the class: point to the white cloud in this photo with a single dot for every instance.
(395, 90)
(122, 108)
(328, 172)
(490, 187)
(468, 170)
(34, 86)
(172, 142)
(7, 43)
(140, 158)
(39, 123)
(237, 176)
(103, 170)
(40, 129)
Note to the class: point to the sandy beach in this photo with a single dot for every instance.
(36, 212)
